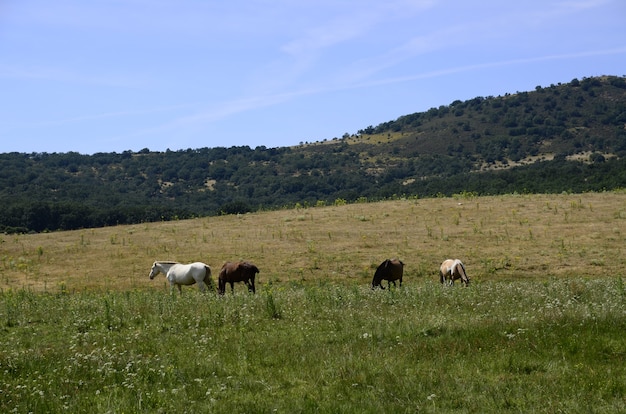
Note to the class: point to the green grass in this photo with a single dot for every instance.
(540, 329)
(527, 346)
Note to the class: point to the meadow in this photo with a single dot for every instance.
(539, 329)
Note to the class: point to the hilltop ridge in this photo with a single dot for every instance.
(564, 137)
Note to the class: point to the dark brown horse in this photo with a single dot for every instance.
(237, 272)
(389, 270)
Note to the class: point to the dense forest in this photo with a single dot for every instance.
(565, 137)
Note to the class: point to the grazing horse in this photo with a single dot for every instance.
(389, 270)
(237, 272)
(183, 274)
(451, 270)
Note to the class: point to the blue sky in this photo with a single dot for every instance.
(110, 76)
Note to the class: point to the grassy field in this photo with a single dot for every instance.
(540, 329)
(498, 238)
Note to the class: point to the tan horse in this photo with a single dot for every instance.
(451, 270)
(236, 272)
(389, 270)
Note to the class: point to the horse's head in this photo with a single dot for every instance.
(376, 282)
(154, 270)
(384, 272)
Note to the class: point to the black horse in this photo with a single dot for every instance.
(389, 270)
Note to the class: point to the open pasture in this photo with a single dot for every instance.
(498, 238)
(539, 329)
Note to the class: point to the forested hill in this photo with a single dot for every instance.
(565, 137)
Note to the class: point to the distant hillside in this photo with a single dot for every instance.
(578, 118)
(565, 137)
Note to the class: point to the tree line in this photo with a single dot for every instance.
(442, 151)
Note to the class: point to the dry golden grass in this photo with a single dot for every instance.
(512, 237)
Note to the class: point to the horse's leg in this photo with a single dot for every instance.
(250, 286)
(180, 289)
(232, 287)
(199, 280)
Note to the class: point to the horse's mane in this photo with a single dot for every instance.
(459, 264)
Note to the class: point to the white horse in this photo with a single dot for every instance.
(451, 270)
(183, 274)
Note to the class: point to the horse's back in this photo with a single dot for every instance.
(227, 268)
(197, 265)
(186, 273)
(397, 268)
(447, 265)
(457, 263)
(249, 268)
(238, 270)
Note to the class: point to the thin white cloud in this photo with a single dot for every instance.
(64, 75)
(355, 22)
(467, 34)
(487, 65)
(228, 109)
(107, 115)
(306, 52)
(582, 4)
(268, 52)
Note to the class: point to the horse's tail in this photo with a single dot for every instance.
(221, 285)
(207, 276)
